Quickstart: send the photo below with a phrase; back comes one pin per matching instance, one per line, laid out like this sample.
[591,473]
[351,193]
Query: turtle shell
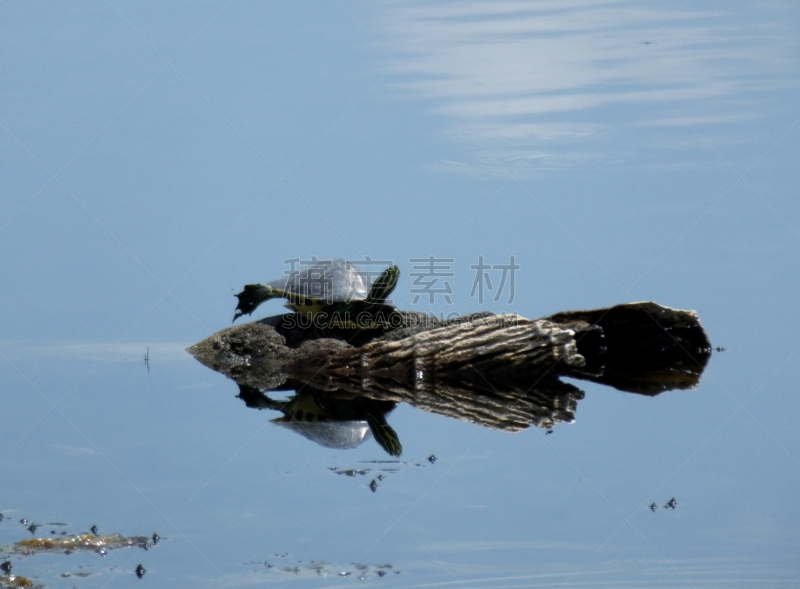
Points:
[331,281]
[338,435]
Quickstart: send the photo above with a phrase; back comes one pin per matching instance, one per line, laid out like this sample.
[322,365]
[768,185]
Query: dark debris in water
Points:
[324,569]
[79,542]
[140,571]
[671,504]
[64,544]
[14,581]
[79,574]
[351,472]
[396,465]
[384,472]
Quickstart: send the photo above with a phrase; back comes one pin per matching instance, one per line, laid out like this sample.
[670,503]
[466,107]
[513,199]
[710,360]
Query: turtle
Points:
[337,288]
[335,419]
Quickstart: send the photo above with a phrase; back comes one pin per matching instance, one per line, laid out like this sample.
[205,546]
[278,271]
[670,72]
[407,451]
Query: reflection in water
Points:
[511,76]
[278,564]
[512,409]
[500,372]
[331,419]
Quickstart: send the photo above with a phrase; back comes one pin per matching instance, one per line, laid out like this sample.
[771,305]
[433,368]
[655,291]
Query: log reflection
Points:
[500,372]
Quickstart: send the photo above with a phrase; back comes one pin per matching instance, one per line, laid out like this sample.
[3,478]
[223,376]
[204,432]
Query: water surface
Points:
[155,160]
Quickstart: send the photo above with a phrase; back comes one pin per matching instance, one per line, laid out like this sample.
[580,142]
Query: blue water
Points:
[154,159]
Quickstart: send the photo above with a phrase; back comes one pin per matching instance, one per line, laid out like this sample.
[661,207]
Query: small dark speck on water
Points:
[432,458]
[93,530]
[140,571]
[373,485]
[671,504]
[6,567]
[156,538]
[24,521]
[653,507]
[719,349]
[32,528]
[548,432]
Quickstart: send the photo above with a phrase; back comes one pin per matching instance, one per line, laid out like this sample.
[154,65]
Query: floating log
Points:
[497,371]
[638,347]
[494,347]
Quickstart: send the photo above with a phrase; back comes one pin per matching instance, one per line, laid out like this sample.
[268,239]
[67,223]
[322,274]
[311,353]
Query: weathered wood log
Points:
[638,347]
[641,348]
[493,371]
[492,347]
[496,371]
[256,354]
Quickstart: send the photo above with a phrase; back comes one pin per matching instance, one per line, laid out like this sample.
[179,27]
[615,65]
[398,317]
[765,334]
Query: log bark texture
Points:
[638,347]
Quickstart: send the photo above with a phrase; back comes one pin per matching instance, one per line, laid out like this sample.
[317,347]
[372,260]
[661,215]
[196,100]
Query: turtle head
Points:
[384,285]
[252,296]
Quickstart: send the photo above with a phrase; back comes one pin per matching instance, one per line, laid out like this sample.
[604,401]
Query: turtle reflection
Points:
[333,420]
[344,419]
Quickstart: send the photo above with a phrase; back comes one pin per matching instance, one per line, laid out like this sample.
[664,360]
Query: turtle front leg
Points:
[251,297]
[384,434]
